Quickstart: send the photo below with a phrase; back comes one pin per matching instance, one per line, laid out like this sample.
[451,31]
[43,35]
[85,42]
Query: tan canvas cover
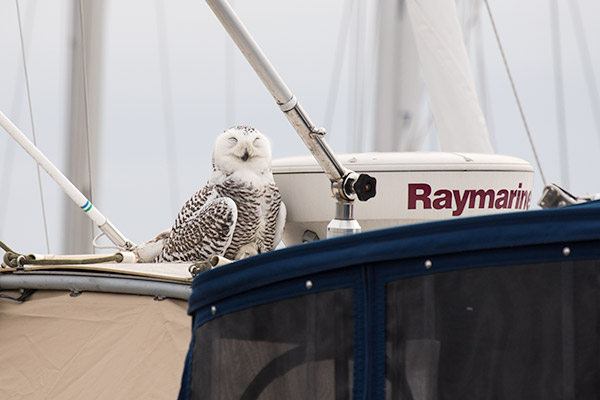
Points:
[178,272]
[93,346]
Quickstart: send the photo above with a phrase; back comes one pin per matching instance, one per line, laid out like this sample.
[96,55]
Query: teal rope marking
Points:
[87,206]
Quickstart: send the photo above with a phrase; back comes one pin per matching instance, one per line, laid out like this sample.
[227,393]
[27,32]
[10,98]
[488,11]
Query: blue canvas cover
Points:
[503,306]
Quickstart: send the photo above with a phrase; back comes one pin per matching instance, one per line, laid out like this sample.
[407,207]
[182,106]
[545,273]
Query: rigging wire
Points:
[376,45]
[350,84]
[9,150]
[588,70]
[229,83]
[5,178]
[559,97]
[165,74]
[482,77]
[472,32]
[27,86]
[85,104]
[514,90]
[229,78]
[337,66]
[356,108]
[370,77]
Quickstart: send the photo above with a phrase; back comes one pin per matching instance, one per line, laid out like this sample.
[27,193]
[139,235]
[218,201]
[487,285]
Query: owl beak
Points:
[245,156]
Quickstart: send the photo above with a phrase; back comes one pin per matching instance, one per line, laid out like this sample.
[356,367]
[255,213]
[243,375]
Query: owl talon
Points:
[247,250]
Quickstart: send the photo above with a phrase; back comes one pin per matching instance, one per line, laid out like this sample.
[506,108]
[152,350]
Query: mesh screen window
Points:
[297,348]
[519,332]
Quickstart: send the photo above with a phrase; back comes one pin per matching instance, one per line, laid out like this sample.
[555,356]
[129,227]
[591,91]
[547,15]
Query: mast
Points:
[400,93]
[447,74]
[77,230]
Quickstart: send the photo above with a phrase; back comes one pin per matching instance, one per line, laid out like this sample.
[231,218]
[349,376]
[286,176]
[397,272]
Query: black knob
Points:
[364,187]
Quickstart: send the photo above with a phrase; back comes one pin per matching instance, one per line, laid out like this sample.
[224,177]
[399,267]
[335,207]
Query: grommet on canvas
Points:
[428,264]
[213,310]
[309,285]
[566,251]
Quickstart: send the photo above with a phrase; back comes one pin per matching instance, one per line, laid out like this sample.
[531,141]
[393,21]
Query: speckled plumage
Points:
[239,212]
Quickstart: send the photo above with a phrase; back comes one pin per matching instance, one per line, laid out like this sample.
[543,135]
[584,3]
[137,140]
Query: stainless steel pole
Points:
[346,185]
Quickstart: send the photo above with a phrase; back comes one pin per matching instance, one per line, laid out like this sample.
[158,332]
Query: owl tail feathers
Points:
[148,251]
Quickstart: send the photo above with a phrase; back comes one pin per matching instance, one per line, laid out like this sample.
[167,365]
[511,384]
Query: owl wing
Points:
[274,218]
[279,224]
[200,233]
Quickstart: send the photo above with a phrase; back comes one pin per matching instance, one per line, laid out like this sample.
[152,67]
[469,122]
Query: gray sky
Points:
[210,92]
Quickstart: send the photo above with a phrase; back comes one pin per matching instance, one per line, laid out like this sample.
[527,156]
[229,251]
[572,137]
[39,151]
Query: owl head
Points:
[242,148]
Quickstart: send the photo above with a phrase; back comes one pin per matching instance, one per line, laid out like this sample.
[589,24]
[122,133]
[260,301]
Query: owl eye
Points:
[256,142]
[232,140]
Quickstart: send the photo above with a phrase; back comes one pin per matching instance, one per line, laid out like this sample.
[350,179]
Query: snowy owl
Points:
[239,212]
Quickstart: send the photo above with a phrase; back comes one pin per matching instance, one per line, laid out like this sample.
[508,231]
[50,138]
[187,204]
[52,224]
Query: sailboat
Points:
[482,307]
[490,306]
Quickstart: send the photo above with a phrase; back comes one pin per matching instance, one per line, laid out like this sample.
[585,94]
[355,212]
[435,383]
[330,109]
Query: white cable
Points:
[97,246]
